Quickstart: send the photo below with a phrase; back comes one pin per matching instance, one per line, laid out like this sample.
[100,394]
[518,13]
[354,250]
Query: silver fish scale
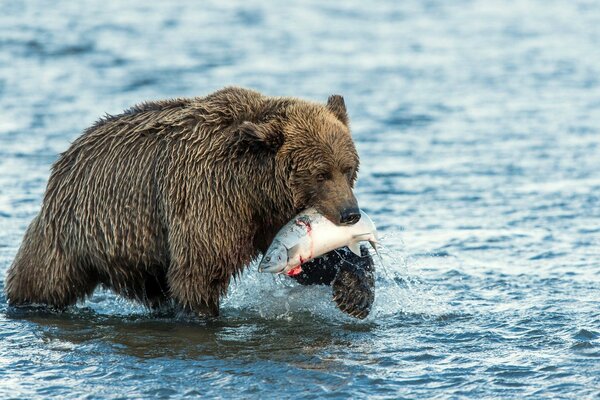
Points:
[294,230]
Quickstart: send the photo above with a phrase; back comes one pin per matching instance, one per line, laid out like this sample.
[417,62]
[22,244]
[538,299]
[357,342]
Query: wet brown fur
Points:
[171,199]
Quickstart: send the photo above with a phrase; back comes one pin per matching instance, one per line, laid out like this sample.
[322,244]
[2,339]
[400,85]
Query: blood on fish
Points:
[306,223]
[302,222]
[295,271]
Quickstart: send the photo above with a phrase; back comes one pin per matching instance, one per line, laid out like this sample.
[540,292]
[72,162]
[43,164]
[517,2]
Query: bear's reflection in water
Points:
[147,336]
[274,334]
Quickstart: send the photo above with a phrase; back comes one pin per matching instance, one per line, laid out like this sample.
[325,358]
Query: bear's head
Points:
[314,155]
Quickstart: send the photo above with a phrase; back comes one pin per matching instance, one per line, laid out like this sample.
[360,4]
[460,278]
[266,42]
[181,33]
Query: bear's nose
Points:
[350,216]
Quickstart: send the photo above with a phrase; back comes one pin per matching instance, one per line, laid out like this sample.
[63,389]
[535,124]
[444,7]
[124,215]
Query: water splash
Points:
[275,297]
[399,290]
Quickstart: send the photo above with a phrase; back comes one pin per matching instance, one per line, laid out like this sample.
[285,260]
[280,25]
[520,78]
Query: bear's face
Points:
[315,157]
[322,161]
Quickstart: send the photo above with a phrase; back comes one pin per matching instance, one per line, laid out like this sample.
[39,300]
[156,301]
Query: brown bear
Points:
[170,199]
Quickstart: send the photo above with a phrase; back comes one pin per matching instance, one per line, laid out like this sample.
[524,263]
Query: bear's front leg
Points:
[354,284]
[197,276]
[352,278]
[192,291]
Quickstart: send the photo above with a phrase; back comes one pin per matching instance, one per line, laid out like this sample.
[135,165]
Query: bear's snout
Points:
[350,216]
[337,202]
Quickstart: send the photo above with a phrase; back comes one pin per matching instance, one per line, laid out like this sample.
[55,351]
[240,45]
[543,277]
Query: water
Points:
[478,127]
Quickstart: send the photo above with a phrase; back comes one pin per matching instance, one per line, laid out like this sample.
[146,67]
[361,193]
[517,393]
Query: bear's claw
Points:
[351,294]
[352,278]
[354,285]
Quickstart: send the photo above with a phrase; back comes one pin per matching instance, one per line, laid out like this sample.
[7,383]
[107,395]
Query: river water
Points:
[477,123]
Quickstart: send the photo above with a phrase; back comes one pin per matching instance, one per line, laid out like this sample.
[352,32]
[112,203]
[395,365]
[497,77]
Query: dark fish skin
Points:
[352,279]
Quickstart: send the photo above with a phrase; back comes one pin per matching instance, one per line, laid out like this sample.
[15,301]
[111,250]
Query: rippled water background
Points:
[478,127]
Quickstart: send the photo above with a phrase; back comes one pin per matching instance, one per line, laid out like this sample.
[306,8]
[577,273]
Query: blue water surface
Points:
[478,127]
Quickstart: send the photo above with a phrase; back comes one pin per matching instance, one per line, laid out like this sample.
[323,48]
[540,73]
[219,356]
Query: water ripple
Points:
[477,129]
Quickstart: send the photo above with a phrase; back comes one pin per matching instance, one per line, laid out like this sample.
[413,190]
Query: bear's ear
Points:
[260,136]
[336,104]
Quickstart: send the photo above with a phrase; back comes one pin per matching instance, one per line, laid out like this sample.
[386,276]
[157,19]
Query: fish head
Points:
[275,260]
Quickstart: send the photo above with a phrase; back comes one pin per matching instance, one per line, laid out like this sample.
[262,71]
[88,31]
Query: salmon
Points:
[309,235]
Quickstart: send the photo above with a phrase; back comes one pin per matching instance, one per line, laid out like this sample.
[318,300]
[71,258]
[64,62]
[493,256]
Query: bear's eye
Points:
[322,177]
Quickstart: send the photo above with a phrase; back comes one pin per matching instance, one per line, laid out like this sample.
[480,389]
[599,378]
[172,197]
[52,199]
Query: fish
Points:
[309,235]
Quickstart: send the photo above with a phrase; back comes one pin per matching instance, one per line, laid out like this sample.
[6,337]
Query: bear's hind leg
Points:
[42,273]
[52,281]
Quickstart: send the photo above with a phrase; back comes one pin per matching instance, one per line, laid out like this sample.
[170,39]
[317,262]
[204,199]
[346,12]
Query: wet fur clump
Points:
[351,277]
[170,199]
